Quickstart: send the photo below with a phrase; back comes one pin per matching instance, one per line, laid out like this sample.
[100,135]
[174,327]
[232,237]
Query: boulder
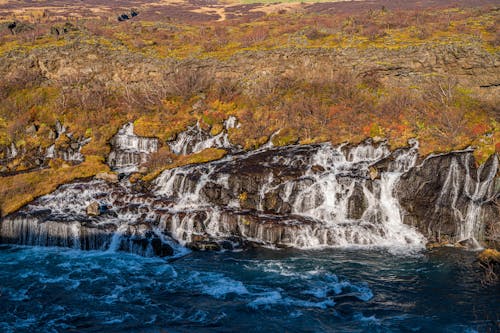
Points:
[108,177]
[469,243]
[161,249]
[93,209]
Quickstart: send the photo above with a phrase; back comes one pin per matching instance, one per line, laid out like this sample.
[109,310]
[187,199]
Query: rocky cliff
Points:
[302,196]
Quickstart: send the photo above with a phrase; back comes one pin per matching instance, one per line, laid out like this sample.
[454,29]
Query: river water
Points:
[259,290]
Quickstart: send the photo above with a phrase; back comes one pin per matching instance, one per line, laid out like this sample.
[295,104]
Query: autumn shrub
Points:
[313,34]
[159,159]
[397,103]
[226,89]
[495,42]
[185,81]
[373,31]
[345,89]
[20,77]
[254,36]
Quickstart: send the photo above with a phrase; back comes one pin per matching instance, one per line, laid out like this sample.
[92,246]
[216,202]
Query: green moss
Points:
[285,137]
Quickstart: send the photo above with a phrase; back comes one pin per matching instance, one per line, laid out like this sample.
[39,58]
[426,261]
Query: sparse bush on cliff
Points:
[159,159]
[185,81]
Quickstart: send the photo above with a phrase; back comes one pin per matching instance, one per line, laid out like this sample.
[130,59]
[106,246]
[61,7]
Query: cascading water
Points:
[302,196]
[130,150]
[465,191]
[320,196]
[71,153]
[60,219]
[195,139]
[12,151]
[478,191]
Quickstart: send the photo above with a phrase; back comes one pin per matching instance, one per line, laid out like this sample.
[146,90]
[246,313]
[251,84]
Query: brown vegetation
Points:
[18,190]
[191,81]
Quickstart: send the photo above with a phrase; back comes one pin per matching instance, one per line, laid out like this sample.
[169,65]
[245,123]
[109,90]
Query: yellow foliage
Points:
[243,196]
[489,256]
[18,190]
[286,136]
[204,156]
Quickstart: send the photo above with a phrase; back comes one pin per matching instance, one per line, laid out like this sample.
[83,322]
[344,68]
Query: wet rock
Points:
[106,176]
[161,249]
[130,150]
[204,246]
[469,243]
[437,194]
[317,168]
[93,209]
[357,203]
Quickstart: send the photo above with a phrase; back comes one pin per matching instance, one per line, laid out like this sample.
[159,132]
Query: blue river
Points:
[259,290]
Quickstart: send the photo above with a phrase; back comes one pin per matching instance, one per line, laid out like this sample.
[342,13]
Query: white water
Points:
[71,153]
[195,139]
[59,219]
[464,192]
[324,197]
[299,196]
[12,152]
[130,150]
[477,192]
[68,154]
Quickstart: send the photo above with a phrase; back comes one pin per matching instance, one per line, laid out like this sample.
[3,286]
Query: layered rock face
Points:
[447,198]
[303,196]
[130,150]
[65,146]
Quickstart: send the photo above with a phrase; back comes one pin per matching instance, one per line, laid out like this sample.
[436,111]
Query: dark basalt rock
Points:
[435,197]
[161,249]
[234,212]
[357,203]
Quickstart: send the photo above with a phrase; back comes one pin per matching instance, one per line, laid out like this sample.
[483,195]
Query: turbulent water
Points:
[64,290]
[358,214]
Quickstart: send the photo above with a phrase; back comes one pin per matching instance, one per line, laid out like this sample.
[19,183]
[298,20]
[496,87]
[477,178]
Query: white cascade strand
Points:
[477,191]
[130,150]
[195,139]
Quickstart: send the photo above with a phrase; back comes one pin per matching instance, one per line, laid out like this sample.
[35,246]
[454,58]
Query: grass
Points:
[281,1]
[204,156]
[307,105]
[18,190]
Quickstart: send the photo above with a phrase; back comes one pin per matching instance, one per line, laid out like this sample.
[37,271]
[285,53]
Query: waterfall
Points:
[12,152]
[60,219]
[71,153]
[129,150]
[303,196]
[195,139]
[366,152]
[332,195]
[477,191]
[464,192]
[331,184]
